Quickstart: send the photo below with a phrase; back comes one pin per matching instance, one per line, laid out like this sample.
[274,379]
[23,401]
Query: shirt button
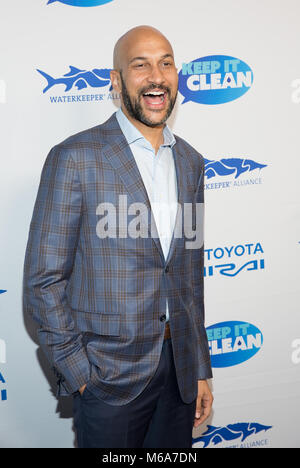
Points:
[162,318]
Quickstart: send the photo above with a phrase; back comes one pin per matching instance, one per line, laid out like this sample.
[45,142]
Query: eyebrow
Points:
[145,58]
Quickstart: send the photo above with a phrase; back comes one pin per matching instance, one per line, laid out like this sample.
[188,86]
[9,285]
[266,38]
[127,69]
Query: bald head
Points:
[133,37]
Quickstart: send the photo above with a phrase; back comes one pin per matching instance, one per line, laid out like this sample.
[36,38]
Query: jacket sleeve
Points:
[49,258]
[204,368]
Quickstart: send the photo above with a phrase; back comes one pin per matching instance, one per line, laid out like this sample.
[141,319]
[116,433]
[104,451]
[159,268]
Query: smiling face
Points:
[145,76]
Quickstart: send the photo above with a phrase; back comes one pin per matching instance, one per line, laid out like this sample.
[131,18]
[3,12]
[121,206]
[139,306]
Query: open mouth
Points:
[155,99]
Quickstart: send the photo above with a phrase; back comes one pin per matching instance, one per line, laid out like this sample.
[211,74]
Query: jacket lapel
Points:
[121,158]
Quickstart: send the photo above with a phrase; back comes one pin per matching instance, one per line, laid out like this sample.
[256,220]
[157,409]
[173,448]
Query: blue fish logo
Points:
[214,79]
[81,3]
[81,79]
[230,166]
[217,435]
[2,291]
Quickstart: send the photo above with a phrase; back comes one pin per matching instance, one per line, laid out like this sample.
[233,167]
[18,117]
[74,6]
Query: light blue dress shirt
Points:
[159,177]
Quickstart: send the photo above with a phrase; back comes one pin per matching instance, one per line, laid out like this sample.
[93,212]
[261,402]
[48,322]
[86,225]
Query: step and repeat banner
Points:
[239,106]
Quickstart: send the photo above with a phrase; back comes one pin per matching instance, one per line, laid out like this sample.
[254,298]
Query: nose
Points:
[156,75]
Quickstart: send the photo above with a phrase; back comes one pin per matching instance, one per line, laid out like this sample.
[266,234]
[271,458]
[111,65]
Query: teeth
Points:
[155,93]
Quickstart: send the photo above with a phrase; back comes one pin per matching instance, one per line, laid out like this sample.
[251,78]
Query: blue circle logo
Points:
[82,3]
[214,79]
[232,343]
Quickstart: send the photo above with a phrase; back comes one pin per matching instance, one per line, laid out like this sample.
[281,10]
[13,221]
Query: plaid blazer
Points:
[100,302]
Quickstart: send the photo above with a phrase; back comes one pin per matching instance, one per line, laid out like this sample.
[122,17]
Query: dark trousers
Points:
[157,418]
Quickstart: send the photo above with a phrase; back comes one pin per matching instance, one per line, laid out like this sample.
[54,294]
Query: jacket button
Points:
[167,269]
[162,318]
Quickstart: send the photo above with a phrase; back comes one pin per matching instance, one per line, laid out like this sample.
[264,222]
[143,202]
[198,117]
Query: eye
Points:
[140,65]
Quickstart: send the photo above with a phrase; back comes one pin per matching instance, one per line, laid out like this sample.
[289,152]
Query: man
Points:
[122,315]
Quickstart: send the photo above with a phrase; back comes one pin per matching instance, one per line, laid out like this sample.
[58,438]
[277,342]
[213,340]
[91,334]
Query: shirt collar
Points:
[132,134]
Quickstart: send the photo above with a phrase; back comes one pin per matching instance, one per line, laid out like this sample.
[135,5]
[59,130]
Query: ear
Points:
[116,80]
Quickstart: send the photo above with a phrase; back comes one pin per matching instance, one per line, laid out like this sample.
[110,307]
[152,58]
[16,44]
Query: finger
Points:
[198,415]
[203,414]
[199,408]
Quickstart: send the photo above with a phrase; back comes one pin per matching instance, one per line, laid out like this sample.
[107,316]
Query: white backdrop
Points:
[252,234]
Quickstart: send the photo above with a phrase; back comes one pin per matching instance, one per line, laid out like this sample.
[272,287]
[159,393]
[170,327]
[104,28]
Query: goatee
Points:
[135,110]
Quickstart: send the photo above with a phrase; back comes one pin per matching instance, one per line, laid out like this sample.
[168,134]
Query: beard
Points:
[134,107]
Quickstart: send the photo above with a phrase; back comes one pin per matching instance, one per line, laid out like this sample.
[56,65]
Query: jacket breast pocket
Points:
[98,323]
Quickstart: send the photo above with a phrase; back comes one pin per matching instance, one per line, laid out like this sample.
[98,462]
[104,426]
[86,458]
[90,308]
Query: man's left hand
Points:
[204,403]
